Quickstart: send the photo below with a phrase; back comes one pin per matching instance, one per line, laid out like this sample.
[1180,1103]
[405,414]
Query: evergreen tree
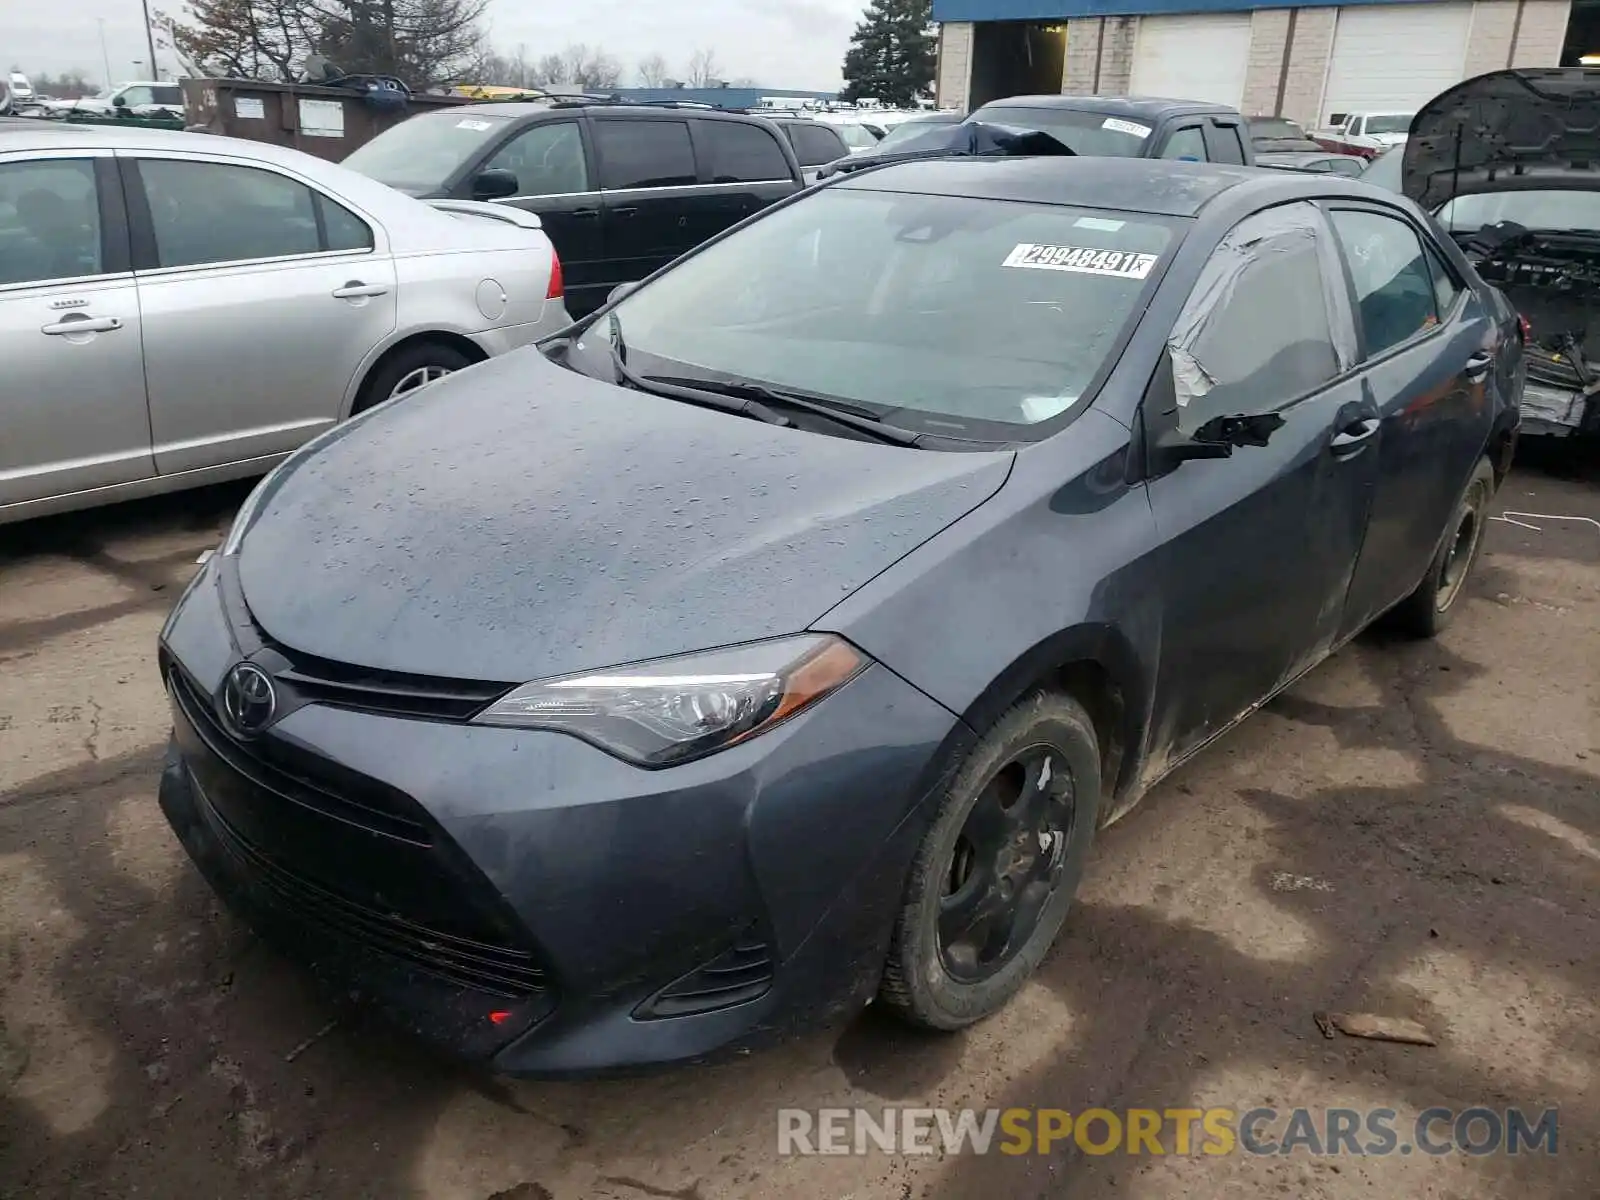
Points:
[892,53]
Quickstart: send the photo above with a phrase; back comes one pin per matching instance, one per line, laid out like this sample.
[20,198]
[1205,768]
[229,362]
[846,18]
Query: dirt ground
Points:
[1415,830]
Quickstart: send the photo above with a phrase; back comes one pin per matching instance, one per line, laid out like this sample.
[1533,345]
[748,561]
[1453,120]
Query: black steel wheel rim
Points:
[1007,863]
[1463,548]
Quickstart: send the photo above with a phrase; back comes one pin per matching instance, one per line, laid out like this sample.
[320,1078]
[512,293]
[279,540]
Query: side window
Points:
[213,212]
[342,229]
[1259,327]
[49,221]
[816,144]
[1226,145]
[1394,292]
[135,96]
[546,159]
[643,154]
[1445,285]
[740,153]
[167,95]
[1187,142]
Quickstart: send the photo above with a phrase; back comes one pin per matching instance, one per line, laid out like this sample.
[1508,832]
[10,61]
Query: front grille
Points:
[740,974]
[301,779]
[392,693]
[489,968]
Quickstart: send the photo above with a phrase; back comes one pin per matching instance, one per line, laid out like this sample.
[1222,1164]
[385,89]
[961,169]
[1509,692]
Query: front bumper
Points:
[525,900]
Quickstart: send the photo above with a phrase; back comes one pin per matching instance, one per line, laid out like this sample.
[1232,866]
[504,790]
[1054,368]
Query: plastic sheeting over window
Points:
[1267,322]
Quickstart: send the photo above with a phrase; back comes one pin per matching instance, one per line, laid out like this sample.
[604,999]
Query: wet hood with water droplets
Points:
[519,521]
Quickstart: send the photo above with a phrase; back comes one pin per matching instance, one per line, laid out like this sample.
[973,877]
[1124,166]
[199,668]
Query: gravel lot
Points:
[1414,830]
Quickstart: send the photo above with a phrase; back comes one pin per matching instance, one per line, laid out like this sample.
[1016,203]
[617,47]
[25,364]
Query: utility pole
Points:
[150,41]
[105,58]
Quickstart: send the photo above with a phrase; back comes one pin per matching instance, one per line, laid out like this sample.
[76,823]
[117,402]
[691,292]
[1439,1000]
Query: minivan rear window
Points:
[421,153]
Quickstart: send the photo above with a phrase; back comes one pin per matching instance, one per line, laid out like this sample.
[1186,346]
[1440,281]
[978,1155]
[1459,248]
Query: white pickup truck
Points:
[1368,134]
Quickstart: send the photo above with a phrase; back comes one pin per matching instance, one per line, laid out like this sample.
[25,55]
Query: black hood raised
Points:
[1505,129]
[519,521]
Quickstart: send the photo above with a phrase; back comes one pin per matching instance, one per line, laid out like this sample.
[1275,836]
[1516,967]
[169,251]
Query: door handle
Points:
[627,210]
[1478,366]
[583,214]
[1354,434]
[78,323]
[356,289]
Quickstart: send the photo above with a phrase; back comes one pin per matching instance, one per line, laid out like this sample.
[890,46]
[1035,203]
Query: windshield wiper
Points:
[748,407]
[839,413]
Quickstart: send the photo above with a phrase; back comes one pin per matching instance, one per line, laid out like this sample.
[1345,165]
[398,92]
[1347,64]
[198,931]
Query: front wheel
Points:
[1427,611]
[995,874]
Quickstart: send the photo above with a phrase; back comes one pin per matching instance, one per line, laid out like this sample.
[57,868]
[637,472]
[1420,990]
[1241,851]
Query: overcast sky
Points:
[779,43]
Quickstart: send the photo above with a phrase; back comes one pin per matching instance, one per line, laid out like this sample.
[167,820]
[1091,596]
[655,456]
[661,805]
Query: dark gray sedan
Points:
[781,636]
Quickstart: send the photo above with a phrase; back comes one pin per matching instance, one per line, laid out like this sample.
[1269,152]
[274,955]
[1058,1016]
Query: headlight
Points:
[676,709]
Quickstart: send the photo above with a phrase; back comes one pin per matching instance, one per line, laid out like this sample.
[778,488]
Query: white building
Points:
[1304,61]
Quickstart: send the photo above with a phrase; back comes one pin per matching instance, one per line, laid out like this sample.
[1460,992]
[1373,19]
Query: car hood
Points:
[518,521]
[1471,137]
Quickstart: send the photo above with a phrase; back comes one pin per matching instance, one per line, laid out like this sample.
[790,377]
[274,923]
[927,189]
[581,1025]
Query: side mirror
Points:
[1175,447]
[494,184]
[119,102]
[1217,438]
[621,290]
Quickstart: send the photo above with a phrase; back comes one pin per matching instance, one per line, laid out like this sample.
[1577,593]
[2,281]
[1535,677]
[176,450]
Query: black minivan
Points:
[622,189]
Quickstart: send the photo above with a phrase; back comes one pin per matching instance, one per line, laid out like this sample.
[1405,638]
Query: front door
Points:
[1259,546]
[648,175]
[261,298]
[555,178]
[72,398]
[1430,348]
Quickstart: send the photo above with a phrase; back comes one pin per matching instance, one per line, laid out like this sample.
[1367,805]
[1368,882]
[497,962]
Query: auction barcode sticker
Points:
[1121,126]
[1085,260]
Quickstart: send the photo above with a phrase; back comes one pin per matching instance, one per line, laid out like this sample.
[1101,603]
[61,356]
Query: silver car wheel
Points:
[420,378]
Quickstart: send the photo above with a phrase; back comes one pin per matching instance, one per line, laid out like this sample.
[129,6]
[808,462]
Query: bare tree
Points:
[653,71]
[704,70]
[421,41]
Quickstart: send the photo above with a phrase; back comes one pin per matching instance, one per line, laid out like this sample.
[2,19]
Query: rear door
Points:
[554,166]
[744,168]
[72,398]
[650,189]
[261,296]
[1429,345]
[1258,547]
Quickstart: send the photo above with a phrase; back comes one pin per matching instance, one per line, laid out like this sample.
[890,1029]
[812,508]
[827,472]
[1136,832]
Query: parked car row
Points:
[778,637]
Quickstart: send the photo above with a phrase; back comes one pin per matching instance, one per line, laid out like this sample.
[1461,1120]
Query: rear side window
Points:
[1445,286]
[1259,329]
[49,221]
[1394,292]
[738,153]
[644,154]
[168,95]
[1226,145]
[816,144]
[1186,143]
[204,212]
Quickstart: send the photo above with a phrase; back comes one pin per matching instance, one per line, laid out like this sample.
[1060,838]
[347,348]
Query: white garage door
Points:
[1195,57]
[1395,57]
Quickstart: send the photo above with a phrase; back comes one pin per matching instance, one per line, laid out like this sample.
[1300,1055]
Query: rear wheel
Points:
[1429,609]
[414,367]
[994,876]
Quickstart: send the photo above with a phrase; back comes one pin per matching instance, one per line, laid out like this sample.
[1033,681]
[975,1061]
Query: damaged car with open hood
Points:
[1509,163]
[777,639]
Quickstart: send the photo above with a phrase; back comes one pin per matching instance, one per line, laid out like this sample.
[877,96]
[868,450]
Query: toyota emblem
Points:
[249,701]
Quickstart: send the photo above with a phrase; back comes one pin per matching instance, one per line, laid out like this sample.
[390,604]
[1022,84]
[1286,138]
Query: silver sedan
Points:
[179,309]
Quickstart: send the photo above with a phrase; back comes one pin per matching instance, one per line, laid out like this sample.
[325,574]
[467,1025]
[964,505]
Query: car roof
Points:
[35,134]
[1149,107]
[543,108]
[1160,187]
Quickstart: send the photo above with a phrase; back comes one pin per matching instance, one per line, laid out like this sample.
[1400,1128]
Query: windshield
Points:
[420,153]
[1384,171]
[857,137]
[1389,123]
[1090,133]
[1544,210]
[952,313]
[907,130]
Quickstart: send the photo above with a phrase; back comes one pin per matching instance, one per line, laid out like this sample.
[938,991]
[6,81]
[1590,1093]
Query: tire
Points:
[939,979]
[1428,610]
[408,363]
